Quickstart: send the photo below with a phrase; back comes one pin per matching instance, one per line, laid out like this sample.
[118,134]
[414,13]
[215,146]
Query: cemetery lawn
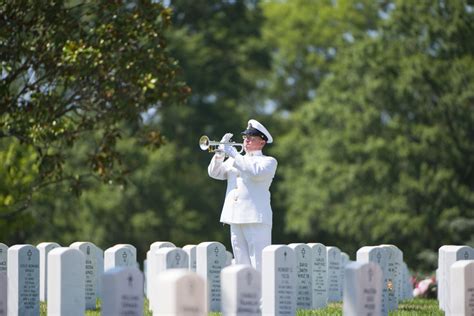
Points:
[411,307]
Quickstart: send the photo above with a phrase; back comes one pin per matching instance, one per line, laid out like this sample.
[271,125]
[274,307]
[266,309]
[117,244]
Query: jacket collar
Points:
[255,153]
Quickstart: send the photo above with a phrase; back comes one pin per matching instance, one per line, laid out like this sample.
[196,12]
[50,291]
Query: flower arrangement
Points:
[426,287]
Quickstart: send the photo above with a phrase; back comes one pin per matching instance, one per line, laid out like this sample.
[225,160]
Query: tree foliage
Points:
[388,149]
[78,70]
[306,38]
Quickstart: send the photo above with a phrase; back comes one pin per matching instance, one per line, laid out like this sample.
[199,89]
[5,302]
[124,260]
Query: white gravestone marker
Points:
[89,250]
[334,274]
[100,270]
[182,293]
[191,251]
[123,292]
[320,275]
[3,279]
[304,275]
[278,280]
[3,257]
[407,287]
[241,291]
[362,289]
[119,256]
[345,260]
[377,255]
[230,258]
[393,267]
[23,280]
[44,248]
[211,258]
[151,265]
[462,288]
[451,255]
[66,282]
[3,293]
[167,258]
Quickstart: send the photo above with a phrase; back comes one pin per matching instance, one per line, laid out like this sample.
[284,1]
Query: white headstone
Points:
[89,250]
[451,255]
[230,258]
[407,286]
[171,258]
[182,292]
[121,255]
[345,260]
[3,293]
[66,282]
[3,257]
[123,291]
[151,265]
[3,279]
[191,251]
[100,270]
[44,248]
[377,255]
[210,260]
[362,289]
[241,290]
[334,274]
[462,288]
[166,259]
[23,280]
[278,280]
[394,261]
[304,276]
[320,275]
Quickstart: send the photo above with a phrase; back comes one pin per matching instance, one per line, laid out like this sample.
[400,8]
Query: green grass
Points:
[416,307]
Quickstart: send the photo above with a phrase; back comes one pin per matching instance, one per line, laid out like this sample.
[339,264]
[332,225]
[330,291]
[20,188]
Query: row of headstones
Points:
[455,275]
[316,273]
[26,271]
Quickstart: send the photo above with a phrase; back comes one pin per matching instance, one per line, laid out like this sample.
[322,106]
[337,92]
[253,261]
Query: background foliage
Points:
[371,104]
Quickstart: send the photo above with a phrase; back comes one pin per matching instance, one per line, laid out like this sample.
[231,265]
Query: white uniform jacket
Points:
[248,181]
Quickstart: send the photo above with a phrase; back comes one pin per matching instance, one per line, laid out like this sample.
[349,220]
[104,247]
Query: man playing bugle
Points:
[247,206]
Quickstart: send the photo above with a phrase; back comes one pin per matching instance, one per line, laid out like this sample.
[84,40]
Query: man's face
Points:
[253,143]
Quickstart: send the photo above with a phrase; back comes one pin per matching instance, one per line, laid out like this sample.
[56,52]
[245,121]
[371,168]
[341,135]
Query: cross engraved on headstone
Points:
[303,252]
[124,256]
[371,274]
[249,278]
[285,255]
[216,251]
[319,251]
[130,280]
[379,257]
[178,258]
[88,251]
[334,255]
[466,255]
[29,254]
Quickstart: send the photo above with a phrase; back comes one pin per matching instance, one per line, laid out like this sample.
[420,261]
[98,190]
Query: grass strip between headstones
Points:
[405,308]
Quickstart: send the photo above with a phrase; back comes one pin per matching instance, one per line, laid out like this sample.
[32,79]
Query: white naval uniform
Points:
[247,203]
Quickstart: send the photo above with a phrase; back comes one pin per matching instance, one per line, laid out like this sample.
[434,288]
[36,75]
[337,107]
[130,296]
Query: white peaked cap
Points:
[254,124]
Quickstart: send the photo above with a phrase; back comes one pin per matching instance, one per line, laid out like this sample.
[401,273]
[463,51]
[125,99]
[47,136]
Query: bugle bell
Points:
[212,146]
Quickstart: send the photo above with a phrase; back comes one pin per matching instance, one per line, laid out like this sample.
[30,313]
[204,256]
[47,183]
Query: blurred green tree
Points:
[385,153]
[306,38]
[74,70]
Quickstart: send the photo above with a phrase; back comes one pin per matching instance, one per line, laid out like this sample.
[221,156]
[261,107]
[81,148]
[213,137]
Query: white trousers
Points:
[248,241]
